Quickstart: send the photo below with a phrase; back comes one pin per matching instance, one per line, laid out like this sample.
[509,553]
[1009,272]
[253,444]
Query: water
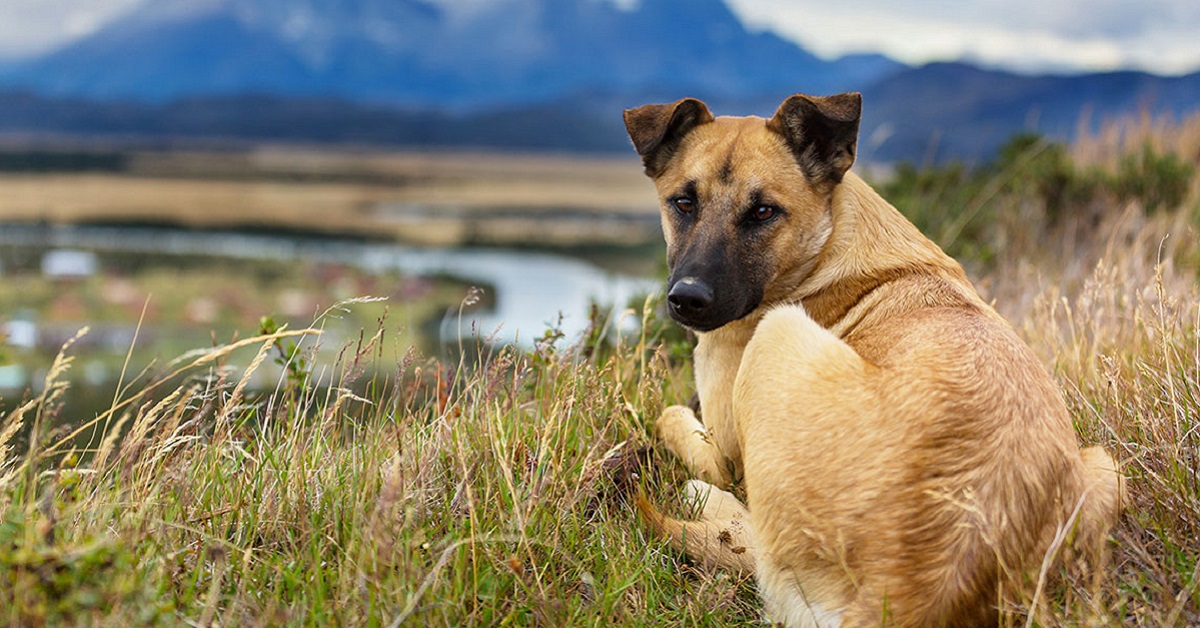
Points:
[531,289]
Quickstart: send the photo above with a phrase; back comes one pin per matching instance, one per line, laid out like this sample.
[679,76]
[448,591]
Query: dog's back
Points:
[937,460]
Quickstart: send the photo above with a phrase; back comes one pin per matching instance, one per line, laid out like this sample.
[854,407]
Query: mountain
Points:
[413,53]
[954,110]
[233,120]
[550,74]
[166,49]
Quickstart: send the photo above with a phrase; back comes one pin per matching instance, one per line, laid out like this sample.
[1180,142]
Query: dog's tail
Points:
[1105,497]
[722,537]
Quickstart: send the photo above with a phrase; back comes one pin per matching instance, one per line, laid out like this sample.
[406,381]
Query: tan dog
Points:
[906,458]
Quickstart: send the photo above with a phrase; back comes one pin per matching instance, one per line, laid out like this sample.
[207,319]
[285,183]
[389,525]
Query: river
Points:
[531,289]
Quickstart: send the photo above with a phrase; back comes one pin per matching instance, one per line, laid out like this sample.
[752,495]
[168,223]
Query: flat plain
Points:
[420,198]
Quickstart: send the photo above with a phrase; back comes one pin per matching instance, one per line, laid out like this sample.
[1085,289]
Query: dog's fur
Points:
[906,459]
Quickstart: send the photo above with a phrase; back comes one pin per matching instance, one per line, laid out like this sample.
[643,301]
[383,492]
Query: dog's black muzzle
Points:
[690,300]
[695,304]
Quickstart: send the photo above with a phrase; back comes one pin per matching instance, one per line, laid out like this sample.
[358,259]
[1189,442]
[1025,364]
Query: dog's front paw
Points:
[695,496]
[678,423]
[681,433]
[711,502]
[687,438]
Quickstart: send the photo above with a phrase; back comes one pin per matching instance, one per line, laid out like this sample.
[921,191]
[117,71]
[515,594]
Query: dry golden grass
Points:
[440,198]
[1116,138]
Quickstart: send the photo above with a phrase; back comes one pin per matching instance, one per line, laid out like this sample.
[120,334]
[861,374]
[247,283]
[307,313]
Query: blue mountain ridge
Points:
[955,110]
[517,73]
[410,53]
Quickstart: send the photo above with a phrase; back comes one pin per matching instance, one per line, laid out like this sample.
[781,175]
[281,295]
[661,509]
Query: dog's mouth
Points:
[693,303]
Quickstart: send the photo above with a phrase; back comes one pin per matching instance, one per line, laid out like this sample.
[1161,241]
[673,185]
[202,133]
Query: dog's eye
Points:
[684,205]
[762,213]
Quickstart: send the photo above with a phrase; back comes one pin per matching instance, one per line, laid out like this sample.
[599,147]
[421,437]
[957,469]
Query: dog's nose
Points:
[690,297]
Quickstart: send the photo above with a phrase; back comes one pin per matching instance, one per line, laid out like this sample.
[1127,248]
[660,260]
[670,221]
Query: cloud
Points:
[32,26]
[1034,35]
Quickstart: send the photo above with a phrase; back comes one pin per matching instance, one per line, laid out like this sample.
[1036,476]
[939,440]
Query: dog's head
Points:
[745,201]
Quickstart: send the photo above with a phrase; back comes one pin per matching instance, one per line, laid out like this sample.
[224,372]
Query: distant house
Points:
[68,264]
[20,333]
[13,376]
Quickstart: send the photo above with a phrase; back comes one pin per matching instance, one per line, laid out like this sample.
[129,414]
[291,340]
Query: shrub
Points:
[1031,188]
[1157,180]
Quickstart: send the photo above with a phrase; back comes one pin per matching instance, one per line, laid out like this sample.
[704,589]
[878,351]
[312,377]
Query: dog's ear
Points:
[656,130]
[821,131]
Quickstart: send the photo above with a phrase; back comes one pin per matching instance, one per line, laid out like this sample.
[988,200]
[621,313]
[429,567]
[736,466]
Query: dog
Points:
[906,458]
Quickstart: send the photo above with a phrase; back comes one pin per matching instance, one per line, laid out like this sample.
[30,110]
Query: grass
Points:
[420,198]
[442,495]
[489,488]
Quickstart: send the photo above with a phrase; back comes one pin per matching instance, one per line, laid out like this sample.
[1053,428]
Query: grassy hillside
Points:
[491,488]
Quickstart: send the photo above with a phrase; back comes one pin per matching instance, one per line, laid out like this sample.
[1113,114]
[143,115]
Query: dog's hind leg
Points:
[687,438]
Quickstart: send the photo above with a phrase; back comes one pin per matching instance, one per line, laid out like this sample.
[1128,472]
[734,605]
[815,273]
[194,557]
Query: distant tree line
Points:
[63,161]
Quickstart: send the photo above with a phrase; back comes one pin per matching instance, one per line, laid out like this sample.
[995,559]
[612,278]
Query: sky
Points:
[1160,36]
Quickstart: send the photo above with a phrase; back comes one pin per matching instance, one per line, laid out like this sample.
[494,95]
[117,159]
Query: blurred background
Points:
[176,174]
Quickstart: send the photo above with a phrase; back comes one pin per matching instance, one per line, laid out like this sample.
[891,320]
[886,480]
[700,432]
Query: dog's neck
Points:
[870,244]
